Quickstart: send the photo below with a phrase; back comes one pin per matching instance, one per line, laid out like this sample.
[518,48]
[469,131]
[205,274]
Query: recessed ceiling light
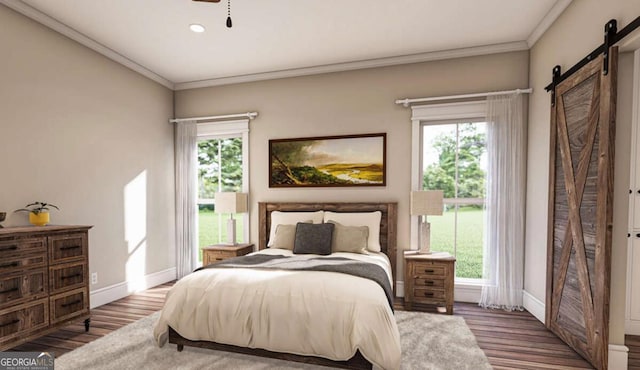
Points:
[198,28]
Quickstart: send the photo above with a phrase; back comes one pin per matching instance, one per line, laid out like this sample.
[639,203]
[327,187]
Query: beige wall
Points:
[76,129]
[577,32]
[351,102]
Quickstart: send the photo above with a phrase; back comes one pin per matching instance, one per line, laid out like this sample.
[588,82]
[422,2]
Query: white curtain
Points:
[506,176]
[186,197]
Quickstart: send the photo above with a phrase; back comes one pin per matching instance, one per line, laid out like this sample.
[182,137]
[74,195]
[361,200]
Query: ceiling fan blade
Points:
[208,1]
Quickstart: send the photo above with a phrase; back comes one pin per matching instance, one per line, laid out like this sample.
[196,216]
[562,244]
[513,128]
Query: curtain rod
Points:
[408,101]
[250,115]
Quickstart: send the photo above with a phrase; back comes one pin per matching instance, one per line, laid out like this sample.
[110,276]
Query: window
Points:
[454,159]
[449,154]
[222,166]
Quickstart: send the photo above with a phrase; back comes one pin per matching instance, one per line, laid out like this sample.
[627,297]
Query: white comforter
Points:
[317,313]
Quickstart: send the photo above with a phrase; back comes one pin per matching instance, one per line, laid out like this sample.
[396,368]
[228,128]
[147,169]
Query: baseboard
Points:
[112,293]
[618,357]
[534,306]
[632,327]
[470,293]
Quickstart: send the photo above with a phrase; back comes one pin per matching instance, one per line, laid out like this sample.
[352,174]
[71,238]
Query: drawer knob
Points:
[428,294]
[71,303]
[429,271]
[9,323]
[428,282]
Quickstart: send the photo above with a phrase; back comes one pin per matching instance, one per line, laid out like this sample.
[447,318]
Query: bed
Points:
[315,317]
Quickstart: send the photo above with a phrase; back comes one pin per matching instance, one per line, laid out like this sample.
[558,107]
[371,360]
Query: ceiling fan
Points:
[229,24]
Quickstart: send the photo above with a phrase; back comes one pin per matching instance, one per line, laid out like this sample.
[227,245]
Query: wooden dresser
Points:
[44,280]
[429,280]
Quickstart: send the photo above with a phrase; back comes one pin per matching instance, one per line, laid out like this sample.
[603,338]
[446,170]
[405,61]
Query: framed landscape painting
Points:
[351,160]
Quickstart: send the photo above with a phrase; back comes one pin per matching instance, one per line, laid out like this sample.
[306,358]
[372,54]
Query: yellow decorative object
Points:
[39,219]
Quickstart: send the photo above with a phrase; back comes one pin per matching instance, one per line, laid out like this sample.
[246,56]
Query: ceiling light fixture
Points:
[197,28]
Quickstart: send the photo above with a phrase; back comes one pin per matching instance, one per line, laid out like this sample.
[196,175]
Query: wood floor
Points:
[510,340]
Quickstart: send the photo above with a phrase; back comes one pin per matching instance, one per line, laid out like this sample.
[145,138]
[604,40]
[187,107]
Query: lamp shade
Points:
[229,202]
[427,202]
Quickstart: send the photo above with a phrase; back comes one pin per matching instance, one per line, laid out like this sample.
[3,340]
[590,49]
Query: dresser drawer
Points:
[11,264]
[23,286]
[428,295]
[68,305]
[67,277]
[422,269]
[9,246]
[67,247]
[18,322]
[428,282]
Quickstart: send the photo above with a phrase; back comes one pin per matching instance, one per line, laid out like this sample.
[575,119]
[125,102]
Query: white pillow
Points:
[291,218]
[369,219]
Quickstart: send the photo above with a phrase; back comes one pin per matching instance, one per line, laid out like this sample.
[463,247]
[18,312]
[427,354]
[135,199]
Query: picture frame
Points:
[328,161]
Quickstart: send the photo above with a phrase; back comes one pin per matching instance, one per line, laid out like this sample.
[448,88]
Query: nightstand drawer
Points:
[428,295]
[428,282]
[220,252]
[428,269]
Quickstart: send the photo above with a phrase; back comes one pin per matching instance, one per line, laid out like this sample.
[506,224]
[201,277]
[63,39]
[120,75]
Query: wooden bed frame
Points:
[388,239]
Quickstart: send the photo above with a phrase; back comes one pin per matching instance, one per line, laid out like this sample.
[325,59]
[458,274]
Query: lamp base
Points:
[231,231]
[425,238]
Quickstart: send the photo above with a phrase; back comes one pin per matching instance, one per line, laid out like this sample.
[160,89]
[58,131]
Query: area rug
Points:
[428,341]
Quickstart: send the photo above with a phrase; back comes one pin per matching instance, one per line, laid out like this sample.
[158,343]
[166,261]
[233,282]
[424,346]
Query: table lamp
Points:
[426,203]
[230,202]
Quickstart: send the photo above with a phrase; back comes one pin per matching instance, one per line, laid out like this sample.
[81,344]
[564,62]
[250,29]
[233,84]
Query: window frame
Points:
[227,130]
[467,290]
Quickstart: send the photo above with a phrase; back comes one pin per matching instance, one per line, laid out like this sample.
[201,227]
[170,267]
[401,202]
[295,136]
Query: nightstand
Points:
[219,252]
[428,279]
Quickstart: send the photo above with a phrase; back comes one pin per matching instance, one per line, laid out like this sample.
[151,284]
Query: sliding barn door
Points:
[581,208]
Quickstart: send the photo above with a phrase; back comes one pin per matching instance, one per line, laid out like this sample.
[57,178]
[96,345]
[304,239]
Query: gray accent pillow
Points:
[352,239]
[313,238]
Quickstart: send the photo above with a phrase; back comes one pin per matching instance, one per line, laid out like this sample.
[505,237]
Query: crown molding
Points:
[547,21]
[362,64]
[69,32]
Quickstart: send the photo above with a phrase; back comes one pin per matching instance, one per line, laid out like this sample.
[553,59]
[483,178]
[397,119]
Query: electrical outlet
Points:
[94,278]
